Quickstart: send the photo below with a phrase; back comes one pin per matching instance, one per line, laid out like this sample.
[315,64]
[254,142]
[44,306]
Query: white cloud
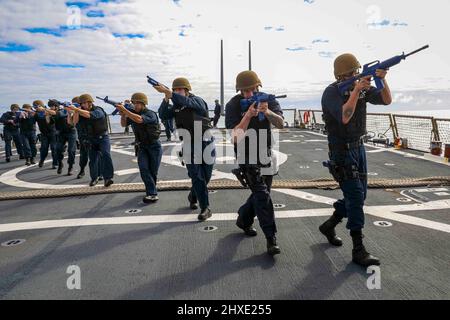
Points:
[117,66]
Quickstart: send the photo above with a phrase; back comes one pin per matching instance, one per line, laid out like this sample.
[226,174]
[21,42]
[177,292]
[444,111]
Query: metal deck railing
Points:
[419,131]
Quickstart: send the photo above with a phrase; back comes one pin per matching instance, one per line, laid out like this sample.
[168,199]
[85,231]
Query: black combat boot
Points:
[327,229]
[93,182]
[250,231]
[8,159]
[359,253]
[21,157]
[81,174]
[108,182]
[27,161]
[272,247]
[205,214]
[41,164]
[32,160]
[69,171]
[60,167]
[192,203]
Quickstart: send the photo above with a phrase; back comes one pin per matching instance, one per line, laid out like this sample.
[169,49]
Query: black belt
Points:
[346,146]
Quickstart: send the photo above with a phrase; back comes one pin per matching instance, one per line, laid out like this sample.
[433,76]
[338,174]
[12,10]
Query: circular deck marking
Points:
[279,206]
[372,173]
[403,200]
[318,149]
[12,243]
[383,224]
[133,211]
[304,167]
[208,229]
[10,177]
[315,161]
[389,164]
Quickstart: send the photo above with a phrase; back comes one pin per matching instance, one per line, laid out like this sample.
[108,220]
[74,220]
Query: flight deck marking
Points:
[208,229]
[133,211]
[390,213]
[10,177]
[13,243]
[383,224]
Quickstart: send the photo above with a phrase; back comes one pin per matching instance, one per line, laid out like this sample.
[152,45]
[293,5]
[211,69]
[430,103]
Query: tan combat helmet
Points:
[38,103]
[26,106]
[85,98]
[247,80]
[181,83]
[14,106]
[139,97]
[344,64]
[76,100]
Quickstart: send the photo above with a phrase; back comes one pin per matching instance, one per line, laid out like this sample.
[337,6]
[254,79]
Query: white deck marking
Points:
[389,215]
[431,190]
[174,218]
[385,212]
[10,178]
[376,151]
[126,171]
[315,140]
[307,196]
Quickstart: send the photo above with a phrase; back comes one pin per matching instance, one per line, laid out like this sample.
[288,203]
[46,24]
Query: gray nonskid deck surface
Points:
[169,259]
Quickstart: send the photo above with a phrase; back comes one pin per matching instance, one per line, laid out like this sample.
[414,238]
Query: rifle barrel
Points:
[415,51]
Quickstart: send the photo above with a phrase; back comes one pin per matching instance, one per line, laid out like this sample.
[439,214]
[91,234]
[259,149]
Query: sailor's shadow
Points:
[91,248]
[170,286]
[320,282]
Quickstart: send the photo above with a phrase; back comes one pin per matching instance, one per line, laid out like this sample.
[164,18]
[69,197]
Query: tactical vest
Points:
[61,124]
[9,126]
[97,127]
[44,127]
[82,127]
[185,117]
[27,124]
[256,125]
[352,131]
[146,133]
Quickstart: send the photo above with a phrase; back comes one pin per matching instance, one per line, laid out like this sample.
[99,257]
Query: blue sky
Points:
[59,49]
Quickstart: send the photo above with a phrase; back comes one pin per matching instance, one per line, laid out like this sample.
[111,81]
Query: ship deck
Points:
[128,250]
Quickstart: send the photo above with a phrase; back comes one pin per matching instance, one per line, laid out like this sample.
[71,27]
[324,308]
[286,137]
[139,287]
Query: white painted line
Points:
[376,151]
[10,178]
[431,205]
[174,218]
[389,215]
[384,212]
[403,193]
[126,171]
[431,190]
[306,196]
[441,194]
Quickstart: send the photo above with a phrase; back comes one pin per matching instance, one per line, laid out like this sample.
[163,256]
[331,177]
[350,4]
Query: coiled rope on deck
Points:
[221,184]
